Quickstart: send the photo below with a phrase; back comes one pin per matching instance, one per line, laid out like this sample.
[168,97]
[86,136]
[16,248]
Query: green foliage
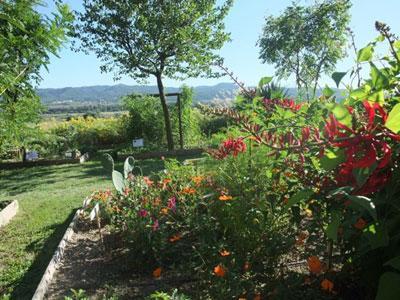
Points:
[156,38]
[306,41]
[145,119]
[165,296]
[26,41]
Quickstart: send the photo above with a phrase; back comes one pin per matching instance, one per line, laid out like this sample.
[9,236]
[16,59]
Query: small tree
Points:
[306,41]
[26,40]
[160,38]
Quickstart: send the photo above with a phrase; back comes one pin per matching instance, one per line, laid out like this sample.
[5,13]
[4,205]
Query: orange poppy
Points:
[148,181]
[314,264]
[225,198]
[220,271]
[327,285]
[360,224]
[224,253]
[188,190]
[164,211]
[198,180]
[175,238]
[157,272]
[165,182]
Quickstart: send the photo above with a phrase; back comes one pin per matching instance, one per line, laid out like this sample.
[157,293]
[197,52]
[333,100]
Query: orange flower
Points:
[301,238]
[148,181]
[224,253]
[327,285]
[164,211]
[198,180]
[314,264]
[157,202]
[157,272]
[220,271]
[246,266]
[225,197]
[175,238]
[188,191]
[165,182]
[360,224]
[257,296]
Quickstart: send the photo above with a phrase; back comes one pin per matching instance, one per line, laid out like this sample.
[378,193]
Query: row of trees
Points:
[157,38]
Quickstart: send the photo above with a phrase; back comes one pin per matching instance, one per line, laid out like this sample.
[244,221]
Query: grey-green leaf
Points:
[338,76]
[118,181]
[128,166]
[333,226]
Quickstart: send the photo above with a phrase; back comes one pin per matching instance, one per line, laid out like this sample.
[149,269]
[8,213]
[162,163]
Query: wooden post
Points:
[180,121]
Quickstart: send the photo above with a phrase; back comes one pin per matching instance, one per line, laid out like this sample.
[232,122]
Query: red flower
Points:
[230,146]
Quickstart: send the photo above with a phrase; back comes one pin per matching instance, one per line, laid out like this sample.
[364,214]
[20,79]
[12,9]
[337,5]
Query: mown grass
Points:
[48,198]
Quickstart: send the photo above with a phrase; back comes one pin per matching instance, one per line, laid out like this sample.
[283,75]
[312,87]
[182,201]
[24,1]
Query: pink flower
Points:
[143,213]
[156,225]
[172,203]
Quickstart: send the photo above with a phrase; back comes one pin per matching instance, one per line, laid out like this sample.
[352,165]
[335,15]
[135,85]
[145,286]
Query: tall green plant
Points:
[306,41]
[158,38]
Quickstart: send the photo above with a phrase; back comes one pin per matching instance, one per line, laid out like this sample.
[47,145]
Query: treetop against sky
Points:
[245,22]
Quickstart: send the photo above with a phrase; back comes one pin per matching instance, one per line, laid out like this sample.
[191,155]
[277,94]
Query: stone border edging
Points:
[8,212]
[43,286]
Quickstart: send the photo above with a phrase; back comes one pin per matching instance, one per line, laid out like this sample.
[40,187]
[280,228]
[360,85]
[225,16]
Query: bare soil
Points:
[105,270]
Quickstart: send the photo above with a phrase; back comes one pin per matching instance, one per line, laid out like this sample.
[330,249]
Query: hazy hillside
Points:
[111,94]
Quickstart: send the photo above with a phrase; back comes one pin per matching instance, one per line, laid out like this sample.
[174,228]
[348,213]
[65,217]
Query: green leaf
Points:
[299,196]
[338,76]
[396,45]
[359,94]
[341,113]
[365,54]
[362,202]
[118,181]
[394,263]
[328,92]
[389,286]
[393,120]
[362,174]
[332,159]
[264,81]
[333,226]
[377,236]
[379,80]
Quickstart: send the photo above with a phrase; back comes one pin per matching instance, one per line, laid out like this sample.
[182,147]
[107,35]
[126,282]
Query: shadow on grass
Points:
[26,286]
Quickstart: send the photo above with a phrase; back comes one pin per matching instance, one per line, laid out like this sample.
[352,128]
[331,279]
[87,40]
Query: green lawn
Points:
[48,198]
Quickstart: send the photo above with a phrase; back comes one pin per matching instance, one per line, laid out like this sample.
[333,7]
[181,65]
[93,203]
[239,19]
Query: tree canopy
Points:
[160,38]
[306,41]
[27,38]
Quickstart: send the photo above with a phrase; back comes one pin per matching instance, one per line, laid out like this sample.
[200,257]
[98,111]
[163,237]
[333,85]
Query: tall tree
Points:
[306,41]
[27,38]
[160,38]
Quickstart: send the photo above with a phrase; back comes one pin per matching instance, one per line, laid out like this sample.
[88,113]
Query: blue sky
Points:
[244,22]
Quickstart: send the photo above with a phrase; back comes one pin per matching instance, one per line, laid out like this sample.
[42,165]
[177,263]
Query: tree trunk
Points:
[168,129]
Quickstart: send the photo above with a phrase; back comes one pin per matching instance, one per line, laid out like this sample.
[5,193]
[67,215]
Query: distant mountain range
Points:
[113,93]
